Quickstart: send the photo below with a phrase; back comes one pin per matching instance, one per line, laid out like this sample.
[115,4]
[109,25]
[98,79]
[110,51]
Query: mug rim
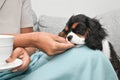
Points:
[6,45]
[6,36]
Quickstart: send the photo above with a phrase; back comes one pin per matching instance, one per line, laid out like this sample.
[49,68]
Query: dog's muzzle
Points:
[73,38]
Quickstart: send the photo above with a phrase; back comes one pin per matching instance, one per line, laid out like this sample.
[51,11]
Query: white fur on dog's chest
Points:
[106,48]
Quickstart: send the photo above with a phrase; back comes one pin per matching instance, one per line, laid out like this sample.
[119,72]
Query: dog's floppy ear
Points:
[67,27]
[70,21]
[96,34]
[64,32]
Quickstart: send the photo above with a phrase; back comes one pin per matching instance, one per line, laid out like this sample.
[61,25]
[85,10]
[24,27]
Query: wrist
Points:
[30,50]
[23,40]
[34,37]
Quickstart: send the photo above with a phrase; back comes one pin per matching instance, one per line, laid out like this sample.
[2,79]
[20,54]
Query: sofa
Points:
[109,20]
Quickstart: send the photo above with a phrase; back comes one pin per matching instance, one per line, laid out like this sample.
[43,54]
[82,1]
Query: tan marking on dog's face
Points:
[85,35]
[74,25]
[62,34]
[66,28]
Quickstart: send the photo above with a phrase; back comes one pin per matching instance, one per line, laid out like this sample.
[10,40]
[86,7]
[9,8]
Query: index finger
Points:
[64,46]
[59,39]
[14,55]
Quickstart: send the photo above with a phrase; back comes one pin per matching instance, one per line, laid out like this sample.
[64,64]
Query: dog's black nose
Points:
[69,37]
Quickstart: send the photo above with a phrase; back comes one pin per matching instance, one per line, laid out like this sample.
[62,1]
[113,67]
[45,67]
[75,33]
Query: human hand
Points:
[22,54]
[50,43]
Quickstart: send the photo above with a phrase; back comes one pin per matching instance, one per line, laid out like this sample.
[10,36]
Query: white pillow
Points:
[52,24]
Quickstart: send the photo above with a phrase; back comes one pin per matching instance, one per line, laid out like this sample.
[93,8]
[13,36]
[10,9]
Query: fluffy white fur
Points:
[106,48]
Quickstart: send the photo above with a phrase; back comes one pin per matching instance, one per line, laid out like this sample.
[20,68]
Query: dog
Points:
[83,30]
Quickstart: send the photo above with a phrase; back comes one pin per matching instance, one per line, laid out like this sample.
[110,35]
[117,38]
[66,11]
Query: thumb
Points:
[15,54]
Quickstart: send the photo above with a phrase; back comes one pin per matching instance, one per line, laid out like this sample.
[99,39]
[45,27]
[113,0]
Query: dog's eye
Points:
[80,29]
[66,32]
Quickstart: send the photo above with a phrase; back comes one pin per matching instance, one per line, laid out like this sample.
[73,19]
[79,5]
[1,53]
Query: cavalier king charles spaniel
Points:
[83,30]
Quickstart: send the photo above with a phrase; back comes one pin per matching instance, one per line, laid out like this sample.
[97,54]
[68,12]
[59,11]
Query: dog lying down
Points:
[83,30]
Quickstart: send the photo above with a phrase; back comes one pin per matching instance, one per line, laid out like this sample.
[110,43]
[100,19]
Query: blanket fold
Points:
[74,64]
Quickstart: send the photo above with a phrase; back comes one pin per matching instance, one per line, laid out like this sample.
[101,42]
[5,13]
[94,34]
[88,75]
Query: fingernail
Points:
[15,70]
[8,60]
[21,56]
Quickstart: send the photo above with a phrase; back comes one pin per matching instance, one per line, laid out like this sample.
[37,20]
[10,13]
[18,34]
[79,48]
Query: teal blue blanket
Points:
[74,64]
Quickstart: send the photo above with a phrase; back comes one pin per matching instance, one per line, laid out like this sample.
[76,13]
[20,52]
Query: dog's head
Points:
[81,29]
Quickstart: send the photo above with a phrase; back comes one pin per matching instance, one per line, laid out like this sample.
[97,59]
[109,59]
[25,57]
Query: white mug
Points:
[6,47]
